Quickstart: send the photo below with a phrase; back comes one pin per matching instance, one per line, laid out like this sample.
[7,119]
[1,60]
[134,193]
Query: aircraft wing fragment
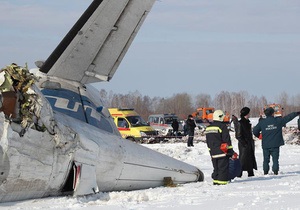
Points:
[104,34]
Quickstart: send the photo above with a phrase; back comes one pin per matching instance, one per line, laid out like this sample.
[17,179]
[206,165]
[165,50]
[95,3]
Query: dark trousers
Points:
[221,169]
[274,153]
[250,173]
[190,139]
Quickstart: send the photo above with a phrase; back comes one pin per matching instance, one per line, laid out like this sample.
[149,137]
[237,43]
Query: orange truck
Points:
[206,114]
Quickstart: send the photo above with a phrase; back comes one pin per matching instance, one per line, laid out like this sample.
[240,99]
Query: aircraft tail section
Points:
[97,43]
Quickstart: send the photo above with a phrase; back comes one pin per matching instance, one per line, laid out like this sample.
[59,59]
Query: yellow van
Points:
[131,125]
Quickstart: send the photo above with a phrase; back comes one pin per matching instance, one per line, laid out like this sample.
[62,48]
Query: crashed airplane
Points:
[57,138]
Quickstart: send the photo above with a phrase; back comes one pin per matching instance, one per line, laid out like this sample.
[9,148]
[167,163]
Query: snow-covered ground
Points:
[258,192]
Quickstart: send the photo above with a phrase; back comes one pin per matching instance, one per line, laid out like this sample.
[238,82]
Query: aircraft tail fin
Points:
[97,43]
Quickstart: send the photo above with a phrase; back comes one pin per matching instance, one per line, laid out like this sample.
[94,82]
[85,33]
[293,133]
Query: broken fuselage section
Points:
[60,140]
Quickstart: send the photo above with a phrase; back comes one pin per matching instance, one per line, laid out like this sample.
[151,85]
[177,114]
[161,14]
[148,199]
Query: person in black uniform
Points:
[175,126]
[246,143]
[190,126]
[220,148]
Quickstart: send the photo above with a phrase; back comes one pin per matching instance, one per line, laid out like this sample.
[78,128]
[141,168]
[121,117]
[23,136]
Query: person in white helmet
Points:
[220,148]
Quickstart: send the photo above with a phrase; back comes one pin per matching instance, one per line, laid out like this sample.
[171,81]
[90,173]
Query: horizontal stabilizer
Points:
[97,43]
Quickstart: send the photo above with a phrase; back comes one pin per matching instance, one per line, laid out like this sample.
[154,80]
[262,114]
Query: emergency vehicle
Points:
[131,125]
[163,123]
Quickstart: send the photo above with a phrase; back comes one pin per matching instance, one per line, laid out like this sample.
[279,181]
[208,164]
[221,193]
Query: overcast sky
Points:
[192,46]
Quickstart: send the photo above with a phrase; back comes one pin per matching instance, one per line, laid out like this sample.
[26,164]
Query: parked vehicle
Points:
[163,123]
[132,126]
[204,115]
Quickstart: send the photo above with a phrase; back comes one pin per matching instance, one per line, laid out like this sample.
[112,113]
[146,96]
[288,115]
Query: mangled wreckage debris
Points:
[19,100]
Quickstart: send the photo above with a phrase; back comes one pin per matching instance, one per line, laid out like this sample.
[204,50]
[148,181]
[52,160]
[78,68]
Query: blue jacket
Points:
[271,129]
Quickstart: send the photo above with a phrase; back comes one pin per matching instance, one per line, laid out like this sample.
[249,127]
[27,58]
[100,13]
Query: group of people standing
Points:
[221,150]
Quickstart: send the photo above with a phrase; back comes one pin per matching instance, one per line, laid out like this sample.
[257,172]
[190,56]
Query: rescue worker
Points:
[272,139]
[220,148]
[190,127]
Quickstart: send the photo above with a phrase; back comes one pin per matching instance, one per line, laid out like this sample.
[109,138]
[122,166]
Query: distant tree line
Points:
[183,104]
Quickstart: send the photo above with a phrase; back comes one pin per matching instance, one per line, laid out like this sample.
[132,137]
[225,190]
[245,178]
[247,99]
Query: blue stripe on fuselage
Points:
[70,103]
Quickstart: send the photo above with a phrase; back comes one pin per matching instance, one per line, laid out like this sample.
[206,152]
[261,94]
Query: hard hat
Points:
[218,115]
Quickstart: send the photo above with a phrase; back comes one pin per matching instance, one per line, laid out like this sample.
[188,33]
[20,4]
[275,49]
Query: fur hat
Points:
[269,111]
[244,111]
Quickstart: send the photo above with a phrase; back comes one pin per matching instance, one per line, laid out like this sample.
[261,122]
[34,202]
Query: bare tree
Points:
[182,103]
[262,102]
[223,101]
[203,100]
[295,103]
[143,106]
[283,99]
[255,106]
[238,101]
[179,104]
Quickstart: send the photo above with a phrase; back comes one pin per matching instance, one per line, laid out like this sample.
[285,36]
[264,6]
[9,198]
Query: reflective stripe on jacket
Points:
[216,134]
